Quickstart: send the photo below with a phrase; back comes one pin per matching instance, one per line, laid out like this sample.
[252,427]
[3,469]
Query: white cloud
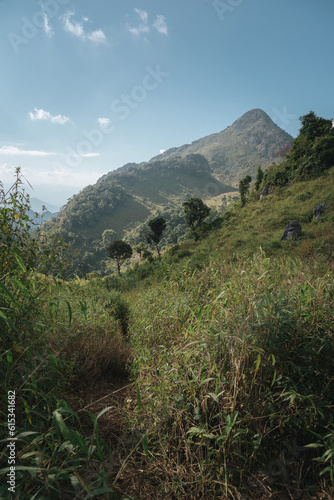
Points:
[87,155]
[160,25]
[41,114]
[14,151]
[97,36]
[143,15]
[162,151]
[141,28]
[47,28]
[76,28]
[104,121]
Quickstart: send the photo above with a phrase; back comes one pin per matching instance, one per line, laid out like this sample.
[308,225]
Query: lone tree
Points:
[157,227]
[244,188]
[195,211]
[119,251]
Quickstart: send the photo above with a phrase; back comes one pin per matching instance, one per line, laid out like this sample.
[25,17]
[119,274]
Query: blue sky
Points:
[87,86]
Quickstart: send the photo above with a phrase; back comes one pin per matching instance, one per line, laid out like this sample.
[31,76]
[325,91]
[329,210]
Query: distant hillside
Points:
[122,199]
[37,206]
[170,180]
[252,140]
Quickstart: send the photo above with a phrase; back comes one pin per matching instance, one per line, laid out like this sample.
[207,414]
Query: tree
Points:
[107,237]
[157,227]
[195,211]
[119,251]
[259,178]
[140,248]
[244,188]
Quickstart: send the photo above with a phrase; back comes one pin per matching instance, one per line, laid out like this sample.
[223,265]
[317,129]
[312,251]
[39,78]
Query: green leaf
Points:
[7,292]
[60,425]
[9,356]
[203,382]
[99,491]
[104,411]
[329,469]
[138,398]
[214,397]
[314,445]
[145,446]
[258,362]
[69,311]
[19,260]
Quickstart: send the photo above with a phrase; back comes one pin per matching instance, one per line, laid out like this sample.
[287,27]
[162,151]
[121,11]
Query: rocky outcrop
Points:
[292,231]
[318,210]
[264,192]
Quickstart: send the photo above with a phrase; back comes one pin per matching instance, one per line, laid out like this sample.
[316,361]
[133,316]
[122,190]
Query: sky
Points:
[87,86]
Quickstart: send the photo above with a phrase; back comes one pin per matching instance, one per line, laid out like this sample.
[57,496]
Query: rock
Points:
[318,210]
[264,192]
[292,231]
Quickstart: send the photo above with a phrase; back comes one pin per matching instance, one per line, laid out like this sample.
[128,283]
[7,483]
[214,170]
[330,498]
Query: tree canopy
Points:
[244,188]
[195,211]
[157,227]
[119,251]
[311,154]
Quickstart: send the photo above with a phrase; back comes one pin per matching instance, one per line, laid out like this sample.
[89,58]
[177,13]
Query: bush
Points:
[119,309]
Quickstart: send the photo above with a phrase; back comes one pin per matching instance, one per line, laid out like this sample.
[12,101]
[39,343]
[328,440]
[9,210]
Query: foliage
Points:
[119,308]
[244,189]
[259,178]
[53,458]
[120,251]
[311,154]
[195,212]
[157,227]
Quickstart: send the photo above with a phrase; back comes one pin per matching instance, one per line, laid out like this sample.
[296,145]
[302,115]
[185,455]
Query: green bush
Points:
[119,309]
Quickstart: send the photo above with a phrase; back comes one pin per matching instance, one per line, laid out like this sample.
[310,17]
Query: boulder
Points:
[264,192]
[318,210]
[292,231]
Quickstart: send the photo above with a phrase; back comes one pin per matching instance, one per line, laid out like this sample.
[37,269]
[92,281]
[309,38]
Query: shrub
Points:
[119,309]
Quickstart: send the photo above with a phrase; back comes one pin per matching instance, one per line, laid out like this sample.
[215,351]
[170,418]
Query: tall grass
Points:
[235,364]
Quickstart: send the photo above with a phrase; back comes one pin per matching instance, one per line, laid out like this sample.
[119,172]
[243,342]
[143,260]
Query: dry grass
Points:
[96,353]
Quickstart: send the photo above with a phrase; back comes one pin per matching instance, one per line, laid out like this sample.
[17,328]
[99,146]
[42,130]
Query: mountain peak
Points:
[253,115]
[252,140]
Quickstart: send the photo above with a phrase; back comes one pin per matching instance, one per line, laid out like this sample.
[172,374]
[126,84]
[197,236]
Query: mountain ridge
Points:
[260,141]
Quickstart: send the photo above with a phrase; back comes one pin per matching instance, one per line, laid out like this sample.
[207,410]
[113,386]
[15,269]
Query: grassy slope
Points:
[261,223]
[233,354]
